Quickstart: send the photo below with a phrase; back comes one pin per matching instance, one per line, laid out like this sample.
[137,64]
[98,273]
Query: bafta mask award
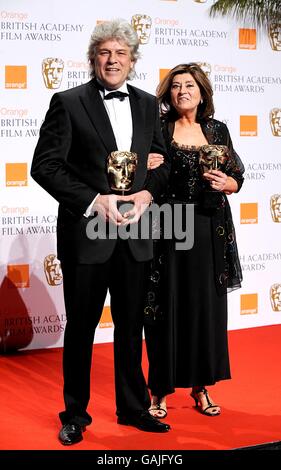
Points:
[212,157]
[121,169]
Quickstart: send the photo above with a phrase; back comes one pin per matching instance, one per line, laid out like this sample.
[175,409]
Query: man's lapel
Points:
[96,111]
[138,120]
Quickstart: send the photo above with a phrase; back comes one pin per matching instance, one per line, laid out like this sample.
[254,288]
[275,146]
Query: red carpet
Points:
[31,396]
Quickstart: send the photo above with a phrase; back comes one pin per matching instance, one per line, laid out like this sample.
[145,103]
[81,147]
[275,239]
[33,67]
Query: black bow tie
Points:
[116,94]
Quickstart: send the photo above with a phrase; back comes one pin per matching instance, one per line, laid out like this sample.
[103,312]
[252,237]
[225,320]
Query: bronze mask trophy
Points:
[212,157]
[121,169]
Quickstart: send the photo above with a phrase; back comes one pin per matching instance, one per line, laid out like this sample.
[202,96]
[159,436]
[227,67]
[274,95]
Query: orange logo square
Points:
[163,73]
[16,76]
[16,174]
[18,274]
[106,319]
[248,304]
[247,38]
[248,126]
[249,213]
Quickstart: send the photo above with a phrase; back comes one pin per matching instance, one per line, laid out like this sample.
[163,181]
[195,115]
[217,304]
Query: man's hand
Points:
[141,201]
[106,206]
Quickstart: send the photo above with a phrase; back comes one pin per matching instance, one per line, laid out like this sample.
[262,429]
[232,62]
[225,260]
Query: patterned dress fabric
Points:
[186,304]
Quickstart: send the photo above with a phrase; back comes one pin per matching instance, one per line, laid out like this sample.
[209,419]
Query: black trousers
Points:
[85,289]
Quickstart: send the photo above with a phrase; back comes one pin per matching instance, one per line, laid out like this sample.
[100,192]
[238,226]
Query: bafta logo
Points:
[275,297]
[142,26]
[200,1]
[52,270]
[275,121]
[52,71]
[121,169]
[274,33]
[275,207]
[205,67]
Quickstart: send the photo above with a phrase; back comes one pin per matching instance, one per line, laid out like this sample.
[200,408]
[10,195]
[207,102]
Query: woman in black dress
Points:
[186,305]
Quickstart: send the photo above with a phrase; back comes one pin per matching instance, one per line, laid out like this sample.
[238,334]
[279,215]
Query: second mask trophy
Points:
[212,157]
[121,169]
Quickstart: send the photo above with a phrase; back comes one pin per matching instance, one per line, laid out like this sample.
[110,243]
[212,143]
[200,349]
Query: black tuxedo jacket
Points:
[70,163]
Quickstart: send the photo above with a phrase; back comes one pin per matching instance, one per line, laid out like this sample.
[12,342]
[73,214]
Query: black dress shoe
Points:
[71,434]
[144,421]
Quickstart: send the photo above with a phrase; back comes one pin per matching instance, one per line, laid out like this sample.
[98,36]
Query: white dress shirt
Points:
[120,116]
[119,113]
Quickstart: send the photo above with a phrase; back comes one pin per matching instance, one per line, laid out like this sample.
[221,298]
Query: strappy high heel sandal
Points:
[158,408]
[208,410]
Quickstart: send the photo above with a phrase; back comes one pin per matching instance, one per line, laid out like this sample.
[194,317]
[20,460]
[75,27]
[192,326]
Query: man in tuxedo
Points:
[82,127]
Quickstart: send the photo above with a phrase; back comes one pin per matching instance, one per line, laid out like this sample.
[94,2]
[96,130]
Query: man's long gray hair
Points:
[120,30]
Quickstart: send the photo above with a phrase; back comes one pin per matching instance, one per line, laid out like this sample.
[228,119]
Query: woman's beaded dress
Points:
[186,305]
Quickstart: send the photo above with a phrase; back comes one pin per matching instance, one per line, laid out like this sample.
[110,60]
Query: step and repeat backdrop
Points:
[43,50]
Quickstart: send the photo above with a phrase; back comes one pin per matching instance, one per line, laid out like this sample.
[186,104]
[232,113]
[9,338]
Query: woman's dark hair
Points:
[205,109]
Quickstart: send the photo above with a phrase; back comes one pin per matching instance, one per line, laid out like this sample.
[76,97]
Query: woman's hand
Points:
[221,182]
[217,179]
[154,160]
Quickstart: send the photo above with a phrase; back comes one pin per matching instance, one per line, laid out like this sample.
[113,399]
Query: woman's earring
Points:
[201,101]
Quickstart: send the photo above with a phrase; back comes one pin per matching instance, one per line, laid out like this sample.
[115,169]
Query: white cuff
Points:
[89,211]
